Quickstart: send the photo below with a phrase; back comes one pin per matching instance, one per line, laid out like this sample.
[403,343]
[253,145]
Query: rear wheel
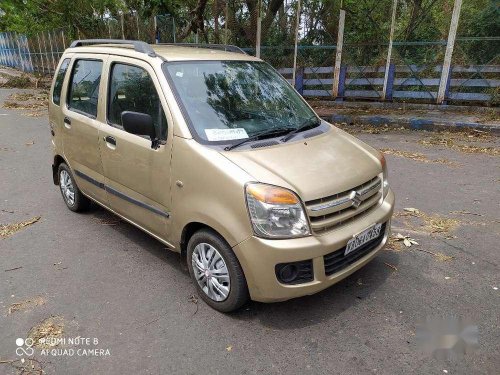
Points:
[216,271]
[72,196]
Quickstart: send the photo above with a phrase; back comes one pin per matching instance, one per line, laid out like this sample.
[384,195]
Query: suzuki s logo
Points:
[355,198]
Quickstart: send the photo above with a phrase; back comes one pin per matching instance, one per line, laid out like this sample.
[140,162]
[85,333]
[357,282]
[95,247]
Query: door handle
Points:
[111,140]
[67,122]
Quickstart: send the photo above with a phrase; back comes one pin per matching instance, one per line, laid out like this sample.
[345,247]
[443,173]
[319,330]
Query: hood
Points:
[314,168]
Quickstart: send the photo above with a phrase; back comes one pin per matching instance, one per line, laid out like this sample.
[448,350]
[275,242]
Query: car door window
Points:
[84,89]
[56,94]
[132,89]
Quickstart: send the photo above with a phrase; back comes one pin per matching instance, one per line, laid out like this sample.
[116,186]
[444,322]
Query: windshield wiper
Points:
[261,135]
[310,122]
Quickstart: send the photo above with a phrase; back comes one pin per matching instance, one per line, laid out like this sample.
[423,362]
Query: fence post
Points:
[341,87]
[121,21]
[64,40]
[389,87]
[448,86]
[21,62]
[155,23]
[299,80]
[257,38]
[445,73]
[389,51]
[137,24]
[46,53]
[225,23]
[297,23]
[216,22]
[51,51]
[40,53]
[338,54]
[173,28]
[32,66]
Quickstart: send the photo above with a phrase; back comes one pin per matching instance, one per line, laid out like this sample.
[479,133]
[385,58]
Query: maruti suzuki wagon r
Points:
[213,153]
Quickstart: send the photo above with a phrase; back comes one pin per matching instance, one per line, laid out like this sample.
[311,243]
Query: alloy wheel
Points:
[67,187]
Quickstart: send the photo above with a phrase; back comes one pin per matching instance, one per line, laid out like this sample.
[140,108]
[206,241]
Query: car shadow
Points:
[310,310]
[138,237]
[296,313]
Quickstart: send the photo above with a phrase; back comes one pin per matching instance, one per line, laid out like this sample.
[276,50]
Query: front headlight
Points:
[385,181]
[275,212]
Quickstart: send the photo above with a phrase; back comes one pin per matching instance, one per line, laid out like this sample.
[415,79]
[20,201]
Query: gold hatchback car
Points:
[214,154]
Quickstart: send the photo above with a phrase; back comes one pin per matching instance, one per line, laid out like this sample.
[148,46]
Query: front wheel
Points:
[216,271]
[72,196]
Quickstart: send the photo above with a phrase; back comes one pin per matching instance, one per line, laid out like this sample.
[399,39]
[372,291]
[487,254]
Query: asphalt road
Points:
[105,279]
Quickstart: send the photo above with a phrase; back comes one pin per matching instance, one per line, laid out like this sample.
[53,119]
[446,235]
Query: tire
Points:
[76,201]
[204,241]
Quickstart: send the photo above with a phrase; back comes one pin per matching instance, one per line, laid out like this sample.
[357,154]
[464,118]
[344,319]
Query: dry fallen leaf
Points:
[440,224]
[45,332]
[26,304]
[390,265]
[9,229]
[229,348]
[407,240]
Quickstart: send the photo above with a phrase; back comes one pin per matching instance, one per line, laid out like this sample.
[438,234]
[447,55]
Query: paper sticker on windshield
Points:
[225,134]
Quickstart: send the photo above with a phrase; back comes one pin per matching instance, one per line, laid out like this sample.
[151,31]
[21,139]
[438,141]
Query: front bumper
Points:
[258,257]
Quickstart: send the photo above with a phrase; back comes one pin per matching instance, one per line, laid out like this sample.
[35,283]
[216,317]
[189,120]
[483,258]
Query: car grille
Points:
[327,213]
[336,261]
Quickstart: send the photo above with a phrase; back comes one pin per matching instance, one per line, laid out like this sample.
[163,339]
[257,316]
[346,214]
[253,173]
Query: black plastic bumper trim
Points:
[121,195]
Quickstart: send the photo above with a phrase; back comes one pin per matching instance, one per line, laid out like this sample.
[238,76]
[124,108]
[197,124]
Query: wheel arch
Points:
[188,231]
[58,160]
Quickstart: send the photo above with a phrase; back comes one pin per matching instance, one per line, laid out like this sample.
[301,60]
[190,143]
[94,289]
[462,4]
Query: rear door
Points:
[80,126]
[137,177]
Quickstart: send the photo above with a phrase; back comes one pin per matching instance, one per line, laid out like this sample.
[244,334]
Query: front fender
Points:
[209,189]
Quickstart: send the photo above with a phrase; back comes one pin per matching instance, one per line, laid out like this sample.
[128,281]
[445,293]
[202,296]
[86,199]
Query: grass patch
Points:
[19,82]
[16,105]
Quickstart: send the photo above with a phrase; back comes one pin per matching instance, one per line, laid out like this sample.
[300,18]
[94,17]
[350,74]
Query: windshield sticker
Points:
[225,134]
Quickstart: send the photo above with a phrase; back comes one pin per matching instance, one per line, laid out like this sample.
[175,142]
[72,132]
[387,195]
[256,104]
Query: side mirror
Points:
[138,123]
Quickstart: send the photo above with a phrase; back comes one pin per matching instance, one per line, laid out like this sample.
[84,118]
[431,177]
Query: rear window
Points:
[84,89]
[56,94]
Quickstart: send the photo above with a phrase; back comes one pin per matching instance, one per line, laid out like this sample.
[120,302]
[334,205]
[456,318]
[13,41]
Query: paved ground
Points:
[102,278]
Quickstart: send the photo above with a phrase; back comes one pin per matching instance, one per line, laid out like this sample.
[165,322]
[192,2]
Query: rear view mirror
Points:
[138,123]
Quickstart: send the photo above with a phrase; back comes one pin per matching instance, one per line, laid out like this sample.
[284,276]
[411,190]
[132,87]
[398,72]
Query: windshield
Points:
[224,101]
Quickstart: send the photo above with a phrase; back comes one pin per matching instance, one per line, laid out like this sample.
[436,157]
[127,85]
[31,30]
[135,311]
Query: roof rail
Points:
[139,46]
[223,47]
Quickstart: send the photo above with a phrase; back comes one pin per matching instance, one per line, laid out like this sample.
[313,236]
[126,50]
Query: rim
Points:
[211,272]
[67,189]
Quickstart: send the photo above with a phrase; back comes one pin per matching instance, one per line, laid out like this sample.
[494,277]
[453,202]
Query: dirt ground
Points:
[92,276]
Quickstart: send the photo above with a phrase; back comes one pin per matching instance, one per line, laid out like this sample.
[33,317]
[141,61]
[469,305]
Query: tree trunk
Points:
[197,21]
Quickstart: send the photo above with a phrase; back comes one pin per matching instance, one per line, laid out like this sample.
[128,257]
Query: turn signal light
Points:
[272,194]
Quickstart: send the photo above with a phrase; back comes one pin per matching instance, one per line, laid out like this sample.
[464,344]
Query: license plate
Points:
[360,239]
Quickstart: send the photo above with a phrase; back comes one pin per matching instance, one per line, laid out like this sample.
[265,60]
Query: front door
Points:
[80,128]
[137,177]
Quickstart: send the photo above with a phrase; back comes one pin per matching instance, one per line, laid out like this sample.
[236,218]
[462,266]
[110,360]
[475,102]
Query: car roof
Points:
[167,52]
